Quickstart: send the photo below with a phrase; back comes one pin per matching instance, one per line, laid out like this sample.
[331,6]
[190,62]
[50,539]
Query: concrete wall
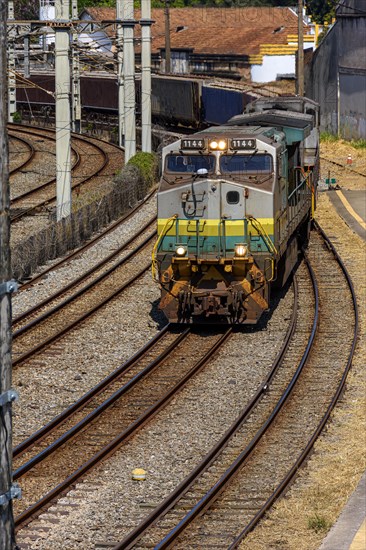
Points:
[336,78]
[272,66]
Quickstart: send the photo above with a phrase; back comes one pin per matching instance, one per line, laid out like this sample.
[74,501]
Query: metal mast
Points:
[121,99]
[128,24]
[167,37]
[63,118]
[7,490]
[76,100]
[300,51]
[146,23]
[12,98]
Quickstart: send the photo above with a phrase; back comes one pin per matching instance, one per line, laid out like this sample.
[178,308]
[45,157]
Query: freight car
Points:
[235,202]
[188,102]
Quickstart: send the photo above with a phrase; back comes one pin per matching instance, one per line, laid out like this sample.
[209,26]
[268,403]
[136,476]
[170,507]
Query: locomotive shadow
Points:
[157,315]
[276,296]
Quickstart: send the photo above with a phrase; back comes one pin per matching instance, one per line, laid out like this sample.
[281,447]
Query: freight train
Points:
[235,203]
[184,101]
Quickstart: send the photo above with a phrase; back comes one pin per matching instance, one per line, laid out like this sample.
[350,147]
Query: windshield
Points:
[190,163]
[253,164]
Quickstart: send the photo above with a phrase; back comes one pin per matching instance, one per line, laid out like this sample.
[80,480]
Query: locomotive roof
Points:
[297,126]
[232,129]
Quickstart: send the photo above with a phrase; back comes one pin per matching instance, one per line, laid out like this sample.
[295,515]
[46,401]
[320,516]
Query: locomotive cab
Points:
[207,229]
[229,203]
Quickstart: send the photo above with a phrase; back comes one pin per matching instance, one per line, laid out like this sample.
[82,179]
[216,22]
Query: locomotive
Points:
[235,203]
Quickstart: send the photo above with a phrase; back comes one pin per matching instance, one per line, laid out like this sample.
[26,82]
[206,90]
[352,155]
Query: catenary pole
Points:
[167,37]
[63,117]
[120,83]
[300,51]
[26,57]
[76,99]
[12,98]
[128,24]
[7,489]
[146,23]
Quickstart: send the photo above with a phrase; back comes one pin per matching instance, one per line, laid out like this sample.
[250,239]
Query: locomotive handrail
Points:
[259,227]
[302,182]
[157,244]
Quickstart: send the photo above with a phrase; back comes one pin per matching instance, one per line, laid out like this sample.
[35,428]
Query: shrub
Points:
[328,137]
[359,143]
[148,166]
[318,523]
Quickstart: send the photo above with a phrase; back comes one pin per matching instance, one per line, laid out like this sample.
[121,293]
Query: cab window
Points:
[252,164]
[190,163]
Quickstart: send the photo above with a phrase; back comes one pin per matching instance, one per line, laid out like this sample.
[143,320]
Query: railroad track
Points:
[107,416]
[274,436]
[236,483]
[43,324]
[83,172]
[169,361]
[339,169]
[89,244]
[30,152]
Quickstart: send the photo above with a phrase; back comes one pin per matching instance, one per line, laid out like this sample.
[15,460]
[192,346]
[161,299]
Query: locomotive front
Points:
[215,253]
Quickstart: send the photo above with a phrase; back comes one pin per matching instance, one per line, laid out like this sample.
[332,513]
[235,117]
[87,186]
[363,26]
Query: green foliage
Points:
[327,137]
[191,3]
[359,143]
[318,523]
[17,117]
[321,11]
[147,164]
[26,9]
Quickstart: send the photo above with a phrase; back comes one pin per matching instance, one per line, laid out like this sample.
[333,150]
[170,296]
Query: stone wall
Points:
[57,238]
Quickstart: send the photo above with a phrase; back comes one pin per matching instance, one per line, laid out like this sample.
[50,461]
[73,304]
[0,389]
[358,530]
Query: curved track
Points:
[237,489]
[30,154]
[44,194]
[112,412]
[82,298]
[227,494]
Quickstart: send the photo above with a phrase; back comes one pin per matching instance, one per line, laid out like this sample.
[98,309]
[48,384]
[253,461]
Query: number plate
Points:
[192,144]
[243,144]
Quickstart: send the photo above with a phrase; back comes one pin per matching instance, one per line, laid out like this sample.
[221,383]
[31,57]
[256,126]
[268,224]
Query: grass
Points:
[359,143]
[318,523]
[147,164]
[328,137]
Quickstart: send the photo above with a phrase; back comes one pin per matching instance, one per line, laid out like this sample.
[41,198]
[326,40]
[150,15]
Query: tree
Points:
[321,11]
[26,9]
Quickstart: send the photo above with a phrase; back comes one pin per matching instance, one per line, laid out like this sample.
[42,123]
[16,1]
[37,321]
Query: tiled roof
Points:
[222,31]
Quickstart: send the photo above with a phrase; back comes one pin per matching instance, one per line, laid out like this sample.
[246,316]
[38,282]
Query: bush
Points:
[318,523]
[147,164]
[359,143]
[328,137]
[17,117]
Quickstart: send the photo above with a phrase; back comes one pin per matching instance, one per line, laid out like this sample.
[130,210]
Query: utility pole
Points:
[76,99]
[121,98]
[300,51]
[63,118]
[146,23]
[167,36]
[8,491]
[128,24]
[26,57]
[12,98]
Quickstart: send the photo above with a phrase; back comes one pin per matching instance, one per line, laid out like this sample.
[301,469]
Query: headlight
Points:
[215,145]
[180,250]
[241,250]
